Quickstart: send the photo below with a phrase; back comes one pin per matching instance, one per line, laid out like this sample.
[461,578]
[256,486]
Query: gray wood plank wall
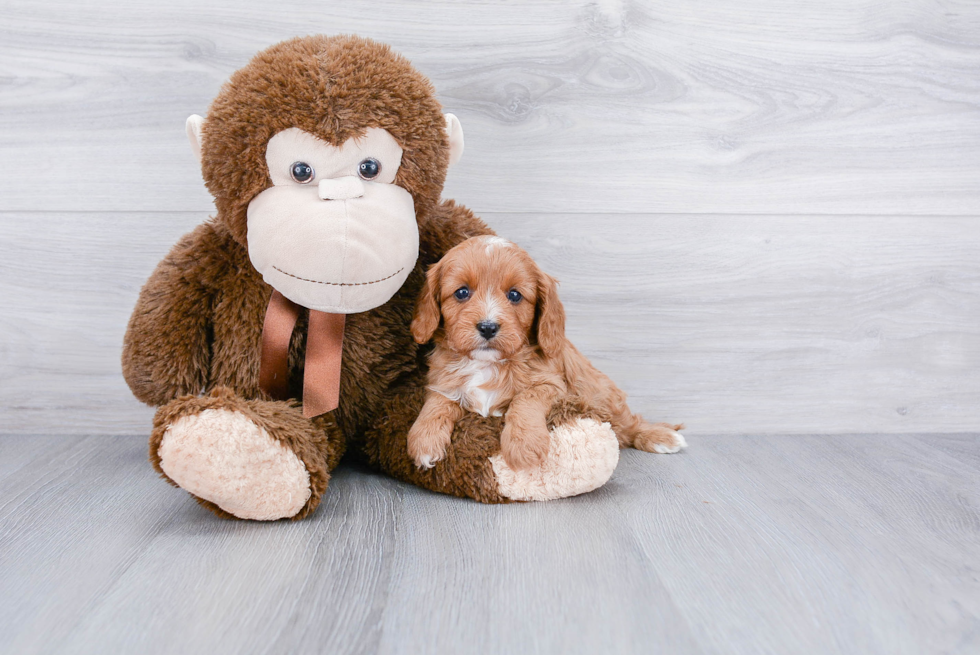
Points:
[764,216]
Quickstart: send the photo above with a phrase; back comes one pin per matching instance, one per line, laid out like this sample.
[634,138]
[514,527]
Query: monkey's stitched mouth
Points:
[341,284]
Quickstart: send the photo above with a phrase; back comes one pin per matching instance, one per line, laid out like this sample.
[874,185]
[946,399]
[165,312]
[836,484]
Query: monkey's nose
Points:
[341,188]
[487,329]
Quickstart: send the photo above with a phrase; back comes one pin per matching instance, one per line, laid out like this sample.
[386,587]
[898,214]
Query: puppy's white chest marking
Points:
[471,395]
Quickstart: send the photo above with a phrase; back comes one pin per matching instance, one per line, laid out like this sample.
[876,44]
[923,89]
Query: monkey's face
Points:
[320,153]
[333,233]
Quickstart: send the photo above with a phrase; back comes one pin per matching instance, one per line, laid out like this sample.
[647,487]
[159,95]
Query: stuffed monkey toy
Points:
[275,336]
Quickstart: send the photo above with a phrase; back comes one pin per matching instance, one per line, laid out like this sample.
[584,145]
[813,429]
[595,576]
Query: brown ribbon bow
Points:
[324,346]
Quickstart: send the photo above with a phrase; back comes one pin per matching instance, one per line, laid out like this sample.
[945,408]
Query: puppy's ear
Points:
[427,311]
[549,316]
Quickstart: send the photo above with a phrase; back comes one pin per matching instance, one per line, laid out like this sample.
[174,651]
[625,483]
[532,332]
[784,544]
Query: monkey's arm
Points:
[166,350]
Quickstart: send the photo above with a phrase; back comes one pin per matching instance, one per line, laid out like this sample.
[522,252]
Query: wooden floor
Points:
[823,544]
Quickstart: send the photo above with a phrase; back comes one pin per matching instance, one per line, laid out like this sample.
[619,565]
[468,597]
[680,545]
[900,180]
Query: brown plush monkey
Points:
[326,157]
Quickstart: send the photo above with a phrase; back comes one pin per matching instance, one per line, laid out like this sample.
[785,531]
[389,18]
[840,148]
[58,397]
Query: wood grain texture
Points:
[105,567]
[842,107]
[811,544]
[18,451]
[734,324]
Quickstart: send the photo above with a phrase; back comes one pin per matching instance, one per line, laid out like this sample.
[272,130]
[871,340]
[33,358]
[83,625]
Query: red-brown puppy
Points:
[501,351]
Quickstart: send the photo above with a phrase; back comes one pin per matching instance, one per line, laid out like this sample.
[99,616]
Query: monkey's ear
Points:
[193,127]
[455,131]
[427,312]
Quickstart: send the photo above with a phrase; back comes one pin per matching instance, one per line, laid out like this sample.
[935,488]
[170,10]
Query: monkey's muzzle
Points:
[345,255]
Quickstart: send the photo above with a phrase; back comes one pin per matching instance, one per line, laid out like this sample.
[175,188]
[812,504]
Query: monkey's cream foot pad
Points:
[582,457]
[222,456]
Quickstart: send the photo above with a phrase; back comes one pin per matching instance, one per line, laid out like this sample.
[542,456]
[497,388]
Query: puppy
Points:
[501,350]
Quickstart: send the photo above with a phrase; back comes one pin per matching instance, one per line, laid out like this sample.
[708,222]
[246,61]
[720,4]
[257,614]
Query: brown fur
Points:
[533,364]
[197,324]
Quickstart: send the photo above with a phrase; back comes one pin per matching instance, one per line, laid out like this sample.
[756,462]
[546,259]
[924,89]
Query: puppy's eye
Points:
[301,172]
[369,169]
[514,296]
[462,293]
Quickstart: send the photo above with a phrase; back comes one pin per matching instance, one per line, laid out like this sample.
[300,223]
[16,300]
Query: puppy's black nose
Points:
[487,329]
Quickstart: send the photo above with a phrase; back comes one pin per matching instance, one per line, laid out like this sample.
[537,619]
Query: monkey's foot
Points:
[222,456]
[582,457]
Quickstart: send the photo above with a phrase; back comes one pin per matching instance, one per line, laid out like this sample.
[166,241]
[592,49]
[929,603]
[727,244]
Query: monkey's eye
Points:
[514,296]
[462,293]
[301,172]
[369,168]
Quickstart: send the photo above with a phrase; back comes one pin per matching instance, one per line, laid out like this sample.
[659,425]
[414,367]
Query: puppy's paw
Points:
[524,448]
[427,461]
[427,444]
[662,438]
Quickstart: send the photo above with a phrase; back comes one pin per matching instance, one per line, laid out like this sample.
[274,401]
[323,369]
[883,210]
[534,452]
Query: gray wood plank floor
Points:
[744,544]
